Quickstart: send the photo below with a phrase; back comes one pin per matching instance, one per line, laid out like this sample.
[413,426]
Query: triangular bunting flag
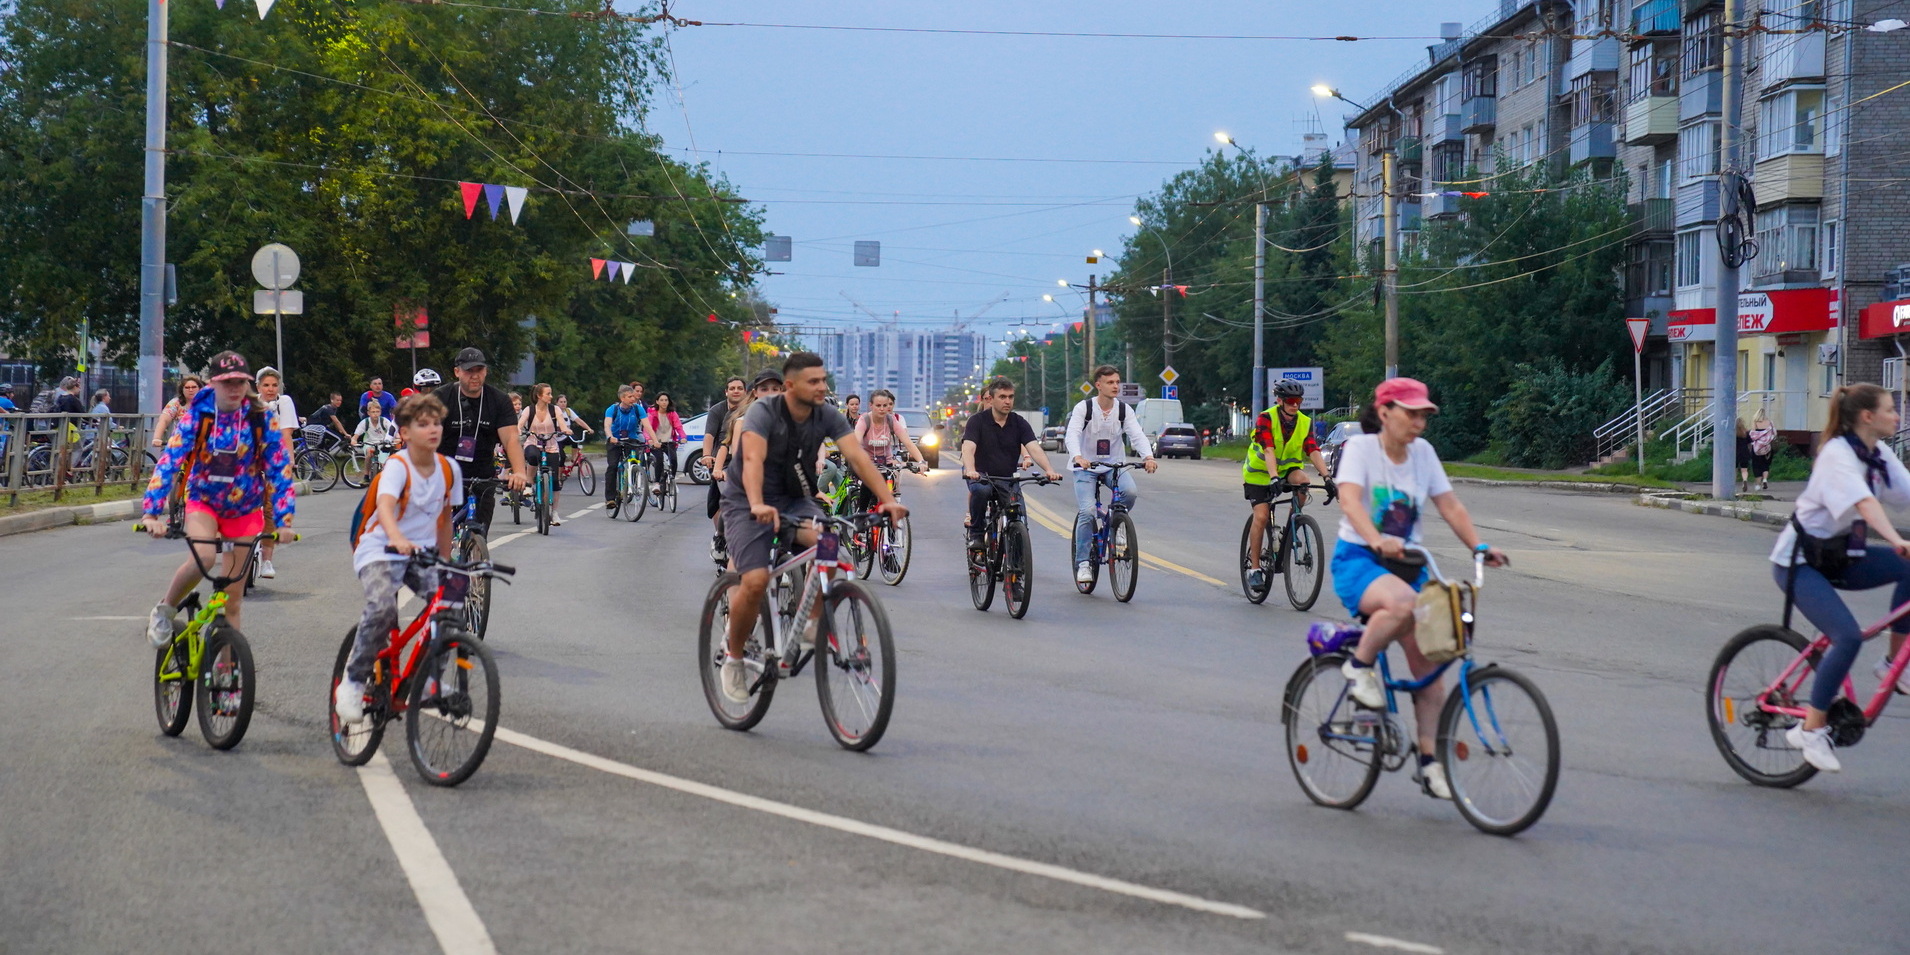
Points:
[471,192]
[628,267]
[265,7]
[615,267]
[514,195]
[493,195]
[219,3]
[596,268]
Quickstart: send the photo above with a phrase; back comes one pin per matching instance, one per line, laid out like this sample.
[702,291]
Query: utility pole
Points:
[1067,362]
[152,220]
[1724,361]
[1088,368]
[1259,390]
[1390,224]
[1129,374]
[1167,318]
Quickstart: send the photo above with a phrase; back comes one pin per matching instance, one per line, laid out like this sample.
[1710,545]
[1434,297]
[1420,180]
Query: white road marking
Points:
[572,517]
[882,833]
[106,618]
[1399,944]
[1053,522]
[500,542]
[446,908]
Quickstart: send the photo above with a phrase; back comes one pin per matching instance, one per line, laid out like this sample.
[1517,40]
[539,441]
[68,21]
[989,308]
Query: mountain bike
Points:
[851,645]
[1111,537]
[886,547]
[633,485]
[469,543]
[1757,690]
[208,657]
[576,463]
[447,683]
[1298,551]
[543,491]
[1496,739]
[1007,553]
[666,490]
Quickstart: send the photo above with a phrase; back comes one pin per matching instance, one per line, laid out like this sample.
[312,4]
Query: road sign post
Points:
[276,266]
[1170,391]
[1638,327]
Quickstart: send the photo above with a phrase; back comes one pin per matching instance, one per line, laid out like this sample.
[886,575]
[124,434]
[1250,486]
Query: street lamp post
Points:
[1259,389]
[1167,284]
[1389,211]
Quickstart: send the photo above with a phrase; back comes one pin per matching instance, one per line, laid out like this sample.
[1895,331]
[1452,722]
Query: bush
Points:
[1547,418]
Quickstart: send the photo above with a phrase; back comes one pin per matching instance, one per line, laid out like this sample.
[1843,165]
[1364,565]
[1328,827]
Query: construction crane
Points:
[864,309]
[962,323]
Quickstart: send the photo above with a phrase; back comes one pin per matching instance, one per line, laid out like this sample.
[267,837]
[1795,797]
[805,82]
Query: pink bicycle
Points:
[1757,691]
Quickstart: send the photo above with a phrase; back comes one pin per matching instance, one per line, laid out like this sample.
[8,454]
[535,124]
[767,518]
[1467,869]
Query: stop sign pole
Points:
[1637,327]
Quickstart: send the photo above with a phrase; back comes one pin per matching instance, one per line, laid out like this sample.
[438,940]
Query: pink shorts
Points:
[244,527]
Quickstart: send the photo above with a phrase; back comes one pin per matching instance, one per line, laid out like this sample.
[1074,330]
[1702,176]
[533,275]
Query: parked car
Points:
[1178,440]
[928,436]
[1336,442]
[689,453]
[1051,438]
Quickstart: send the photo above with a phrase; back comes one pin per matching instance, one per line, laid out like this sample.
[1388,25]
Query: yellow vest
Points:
[1289,450]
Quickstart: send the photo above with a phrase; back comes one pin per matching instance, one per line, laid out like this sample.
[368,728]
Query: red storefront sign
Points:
[1885,318]
[1777,312]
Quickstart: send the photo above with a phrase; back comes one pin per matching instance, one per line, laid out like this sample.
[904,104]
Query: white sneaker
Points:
[267,571]
[1817,747]
[1083,573]
[555,521]
[1903,679]
[1435,776]
[159,626]
[349,702]
[1363,683]
[735,680]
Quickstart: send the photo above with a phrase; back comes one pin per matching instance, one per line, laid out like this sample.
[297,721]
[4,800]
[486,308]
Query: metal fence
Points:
[72,453]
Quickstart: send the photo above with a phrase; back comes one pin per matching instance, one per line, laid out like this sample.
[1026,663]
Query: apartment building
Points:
[917,366]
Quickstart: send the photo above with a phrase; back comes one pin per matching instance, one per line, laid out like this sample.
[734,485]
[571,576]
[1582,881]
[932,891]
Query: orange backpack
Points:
[366,514]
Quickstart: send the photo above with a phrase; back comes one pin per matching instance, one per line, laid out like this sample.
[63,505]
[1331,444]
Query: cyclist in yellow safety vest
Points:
[1286,435]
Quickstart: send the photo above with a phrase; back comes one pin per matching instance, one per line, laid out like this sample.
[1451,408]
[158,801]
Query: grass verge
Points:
[75,496]
[1551,477]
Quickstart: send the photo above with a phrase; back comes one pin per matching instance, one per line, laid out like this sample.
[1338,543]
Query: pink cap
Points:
[1404,392]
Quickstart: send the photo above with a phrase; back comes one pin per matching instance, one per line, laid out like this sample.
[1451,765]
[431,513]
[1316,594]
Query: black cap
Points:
[766,377]
[469,358]
[228,364]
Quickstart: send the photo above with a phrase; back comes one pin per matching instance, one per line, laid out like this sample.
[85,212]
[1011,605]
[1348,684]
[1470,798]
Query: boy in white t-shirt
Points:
[418,492]
[272,394]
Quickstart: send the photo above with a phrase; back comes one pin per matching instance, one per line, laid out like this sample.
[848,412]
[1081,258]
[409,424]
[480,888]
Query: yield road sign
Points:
[1169,375]
[1638,327]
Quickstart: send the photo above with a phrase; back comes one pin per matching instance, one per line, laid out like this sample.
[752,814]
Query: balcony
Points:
[1442,207]
[1788,57]
[1697,202]
[1789,177]
[1656,18]
[1445,129]
[1651,120]
[1408,150]
[1591,56]
[1411,214]
[1652,217]
[1592,141]
[1702,95]
[1479,114]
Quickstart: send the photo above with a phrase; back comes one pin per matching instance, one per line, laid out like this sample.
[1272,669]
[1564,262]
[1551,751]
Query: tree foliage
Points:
[342,130]
[1548,413]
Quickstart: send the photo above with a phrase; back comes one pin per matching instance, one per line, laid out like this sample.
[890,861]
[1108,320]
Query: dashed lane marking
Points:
[1053,522]
[1397,944]
[446,908]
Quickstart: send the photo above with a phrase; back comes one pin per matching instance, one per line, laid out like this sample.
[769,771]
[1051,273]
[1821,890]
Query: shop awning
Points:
[1777,312]
[1885,318]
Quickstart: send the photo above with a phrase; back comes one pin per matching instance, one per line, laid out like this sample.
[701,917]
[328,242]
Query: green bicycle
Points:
[633,485]
[208,658]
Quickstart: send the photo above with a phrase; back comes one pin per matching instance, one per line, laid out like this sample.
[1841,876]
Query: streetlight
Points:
[1259,389]
[1389,213]
[1167,285]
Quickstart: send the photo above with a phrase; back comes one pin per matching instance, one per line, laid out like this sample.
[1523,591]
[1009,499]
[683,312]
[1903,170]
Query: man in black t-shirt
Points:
[993,443]
[715,433]
[479,420]
[326,416]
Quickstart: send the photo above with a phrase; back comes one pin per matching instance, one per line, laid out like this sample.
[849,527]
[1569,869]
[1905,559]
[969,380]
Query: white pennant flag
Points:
[265,7]
[514,197]
[628,267]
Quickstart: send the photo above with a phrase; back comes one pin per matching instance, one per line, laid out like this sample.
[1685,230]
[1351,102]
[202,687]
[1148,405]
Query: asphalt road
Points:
[1097,777]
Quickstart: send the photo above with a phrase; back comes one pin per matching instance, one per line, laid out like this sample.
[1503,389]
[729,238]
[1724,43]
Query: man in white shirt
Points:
[272,394]
[1096,427]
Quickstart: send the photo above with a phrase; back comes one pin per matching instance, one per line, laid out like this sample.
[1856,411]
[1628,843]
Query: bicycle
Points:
[1770,669]
[543,490]
[1112,538]
[886,548]
[576,463]
[471,546]
[633,485]
[1298,550]
[359,468]
[855,677]
[448,683]
[1008,549]
[1488,731]
[666,491]
[208,658]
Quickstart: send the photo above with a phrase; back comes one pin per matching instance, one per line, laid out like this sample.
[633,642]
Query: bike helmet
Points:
[1288,388]
[426,378]
[6,387]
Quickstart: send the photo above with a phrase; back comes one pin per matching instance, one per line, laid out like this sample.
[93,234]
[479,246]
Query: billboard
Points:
[1312,379]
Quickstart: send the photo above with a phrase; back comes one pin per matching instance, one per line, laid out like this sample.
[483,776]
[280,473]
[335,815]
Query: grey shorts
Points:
[748,539]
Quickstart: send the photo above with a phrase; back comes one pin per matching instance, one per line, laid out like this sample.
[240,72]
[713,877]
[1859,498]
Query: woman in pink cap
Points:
[1386,477]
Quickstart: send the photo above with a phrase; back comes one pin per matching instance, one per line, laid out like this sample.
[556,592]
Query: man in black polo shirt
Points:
[992,444]
[479,420]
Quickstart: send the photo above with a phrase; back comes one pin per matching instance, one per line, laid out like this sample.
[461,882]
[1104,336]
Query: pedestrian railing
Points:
[70,453]
[1615,435]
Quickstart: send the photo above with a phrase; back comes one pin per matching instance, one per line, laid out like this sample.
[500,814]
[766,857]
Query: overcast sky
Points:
[959,234]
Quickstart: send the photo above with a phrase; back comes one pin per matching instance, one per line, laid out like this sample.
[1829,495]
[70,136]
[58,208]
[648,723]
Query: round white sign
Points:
[275,266]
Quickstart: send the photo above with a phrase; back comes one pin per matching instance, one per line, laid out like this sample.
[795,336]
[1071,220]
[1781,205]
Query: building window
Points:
[1698,150]
[1703,43]
[1532,61]
[1770,370]
[1592,102]
[1786,240]
[1518,68]
[1690,264]
[1481,78]
[1829,262]
[1654,72]
[1648,273]
[1792,121]
[1667,178]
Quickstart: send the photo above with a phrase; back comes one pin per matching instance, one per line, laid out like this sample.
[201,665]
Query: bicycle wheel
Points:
[1017,568]
[228,686]
[855,669]
[1750,737]
[477,600]
[1332,745]
[1301,563]
[351,470]
[982,568]
[1124,556]
[1256,594]
[712,638]
[455,697]
[892,558]
[353,745]
[586,477]
[317,469]
[1094,560]
[172,688]
[543,503]
[637,497]
[862,543]
[1500,747]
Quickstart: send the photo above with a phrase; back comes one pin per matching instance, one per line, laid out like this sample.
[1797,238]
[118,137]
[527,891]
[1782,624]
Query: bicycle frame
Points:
[391,659]
[1105,477]
[818,582]
[1791,681]
[194,634]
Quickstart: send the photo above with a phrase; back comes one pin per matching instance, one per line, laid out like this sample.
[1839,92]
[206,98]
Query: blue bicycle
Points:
[1496,738]
[1114,541]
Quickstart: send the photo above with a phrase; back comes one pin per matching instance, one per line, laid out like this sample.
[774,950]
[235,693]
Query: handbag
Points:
[1442,619]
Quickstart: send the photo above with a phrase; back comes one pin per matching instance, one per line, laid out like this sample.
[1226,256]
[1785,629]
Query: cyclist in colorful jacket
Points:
[229,454]
[1284,434]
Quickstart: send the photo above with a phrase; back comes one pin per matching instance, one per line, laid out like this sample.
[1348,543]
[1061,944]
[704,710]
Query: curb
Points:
[1593,486]
[1743,512]
[79,514]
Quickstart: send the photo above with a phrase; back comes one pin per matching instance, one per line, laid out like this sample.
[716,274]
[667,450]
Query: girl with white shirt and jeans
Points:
[1386,478]
[1851,479]
[1096,427]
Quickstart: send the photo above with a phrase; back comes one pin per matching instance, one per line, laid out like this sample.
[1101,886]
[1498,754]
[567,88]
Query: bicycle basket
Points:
[1442,619]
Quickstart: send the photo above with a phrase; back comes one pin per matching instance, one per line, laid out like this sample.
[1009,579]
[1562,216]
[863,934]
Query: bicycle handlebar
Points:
[1432,565]
[427,557]
[178,531]
[1018,479]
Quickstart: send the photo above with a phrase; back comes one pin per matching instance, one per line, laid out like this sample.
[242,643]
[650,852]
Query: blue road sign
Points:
[1170,391]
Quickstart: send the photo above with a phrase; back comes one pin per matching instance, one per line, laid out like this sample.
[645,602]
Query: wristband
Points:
[1481,547]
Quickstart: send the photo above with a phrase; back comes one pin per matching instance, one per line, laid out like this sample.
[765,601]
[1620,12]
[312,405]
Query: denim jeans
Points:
[1084,505]
[1818,601]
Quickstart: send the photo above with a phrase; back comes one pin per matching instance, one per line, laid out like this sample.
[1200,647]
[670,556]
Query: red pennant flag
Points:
[749,335]
[1475,195]
[471,190]
[596,267]
[712,316]
[1077,326]
[1182,289]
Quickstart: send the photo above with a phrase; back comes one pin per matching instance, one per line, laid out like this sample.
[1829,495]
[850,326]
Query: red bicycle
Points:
[1757,689]
[447,682]
[576,463]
